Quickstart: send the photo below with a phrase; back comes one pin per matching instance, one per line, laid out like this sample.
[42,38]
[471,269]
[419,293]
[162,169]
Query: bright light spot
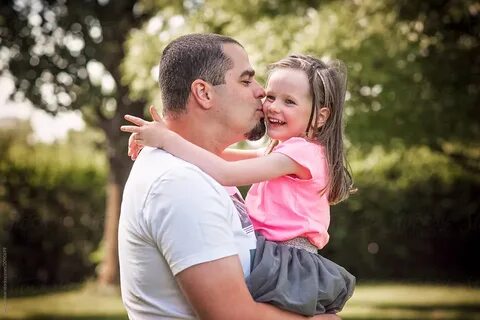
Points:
[49,16]
[4,54]
[73,43]
[64,78]
[82,73]
[108,84]
[64,99]
[164,36]
[34,20]
[47,91]
[7,86]
[176,22]
[349,111]
[363,22]
[95,32]
[111,105]
[365,91]
[95,72]
[418,26]
[154,25]
[348,96]
[376,90]
[46,128]
[376,106]
[154,72]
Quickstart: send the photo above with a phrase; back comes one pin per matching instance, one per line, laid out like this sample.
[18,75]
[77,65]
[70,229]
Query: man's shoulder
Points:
[159,162]
[163,169]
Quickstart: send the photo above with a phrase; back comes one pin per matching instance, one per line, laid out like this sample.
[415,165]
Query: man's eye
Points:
[246,82]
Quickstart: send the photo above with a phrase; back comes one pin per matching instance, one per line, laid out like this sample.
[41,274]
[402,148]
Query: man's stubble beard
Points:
[257,132]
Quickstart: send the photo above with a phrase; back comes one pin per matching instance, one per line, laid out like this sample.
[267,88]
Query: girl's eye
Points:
[270,98]
[288,101]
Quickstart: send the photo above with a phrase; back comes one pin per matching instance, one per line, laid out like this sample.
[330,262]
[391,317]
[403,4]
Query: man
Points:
[184,251]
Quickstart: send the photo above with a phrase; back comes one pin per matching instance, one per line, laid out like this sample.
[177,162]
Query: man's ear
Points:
[322,117]
[202,93]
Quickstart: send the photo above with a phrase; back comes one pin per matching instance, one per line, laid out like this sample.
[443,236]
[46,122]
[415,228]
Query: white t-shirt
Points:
[174,216]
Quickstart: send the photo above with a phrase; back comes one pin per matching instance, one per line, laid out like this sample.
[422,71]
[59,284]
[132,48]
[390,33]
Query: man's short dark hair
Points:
[188,58]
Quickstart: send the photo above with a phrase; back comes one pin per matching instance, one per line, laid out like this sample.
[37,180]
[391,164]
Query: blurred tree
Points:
[65,55]
[414,72]
[50,199]
[413,67]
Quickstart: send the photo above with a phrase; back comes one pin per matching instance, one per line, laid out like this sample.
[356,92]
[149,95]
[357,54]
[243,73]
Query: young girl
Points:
[301,174]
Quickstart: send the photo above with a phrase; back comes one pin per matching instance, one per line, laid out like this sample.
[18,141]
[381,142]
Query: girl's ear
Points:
[322,116]
[201,92]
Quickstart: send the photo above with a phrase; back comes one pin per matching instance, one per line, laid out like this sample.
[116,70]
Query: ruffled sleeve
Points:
[308,154]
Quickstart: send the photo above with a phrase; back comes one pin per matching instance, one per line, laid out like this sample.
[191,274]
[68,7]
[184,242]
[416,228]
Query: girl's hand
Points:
[145,133]
[133,147]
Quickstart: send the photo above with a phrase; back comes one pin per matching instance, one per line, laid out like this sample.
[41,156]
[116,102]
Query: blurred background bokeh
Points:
[70,71]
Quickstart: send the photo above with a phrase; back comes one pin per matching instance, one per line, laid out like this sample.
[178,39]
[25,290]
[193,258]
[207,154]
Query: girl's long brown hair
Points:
[327,87]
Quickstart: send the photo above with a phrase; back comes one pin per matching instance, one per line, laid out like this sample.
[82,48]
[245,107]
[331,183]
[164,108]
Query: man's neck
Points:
[200,136]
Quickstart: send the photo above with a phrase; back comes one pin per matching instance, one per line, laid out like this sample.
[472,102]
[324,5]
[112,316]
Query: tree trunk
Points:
[119,169]
[109,268]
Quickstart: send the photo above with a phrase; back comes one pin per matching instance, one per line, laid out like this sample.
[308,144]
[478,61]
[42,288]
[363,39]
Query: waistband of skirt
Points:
[300,243]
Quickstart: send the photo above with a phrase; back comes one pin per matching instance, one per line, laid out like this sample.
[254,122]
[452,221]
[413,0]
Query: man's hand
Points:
[216,290]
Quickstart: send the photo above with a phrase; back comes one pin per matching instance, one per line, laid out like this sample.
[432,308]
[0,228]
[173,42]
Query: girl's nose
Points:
[274,107]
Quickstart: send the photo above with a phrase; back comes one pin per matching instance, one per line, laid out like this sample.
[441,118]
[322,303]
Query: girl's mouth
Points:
[275,121]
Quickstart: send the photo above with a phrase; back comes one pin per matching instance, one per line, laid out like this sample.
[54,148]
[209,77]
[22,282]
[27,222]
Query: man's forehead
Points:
[239,57]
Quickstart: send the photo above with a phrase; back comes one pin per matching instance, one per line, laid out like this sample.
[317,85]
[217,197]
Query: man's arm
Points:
[217,290]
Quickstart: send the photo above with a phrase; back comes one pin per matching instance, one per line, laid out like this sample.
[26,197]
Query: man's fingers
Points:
[135,120]
[131,129]
[154,114]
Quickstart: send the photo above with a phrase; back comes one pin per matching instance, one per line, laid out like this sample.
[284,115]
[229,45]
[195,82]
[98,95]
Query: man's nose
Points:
[259,92]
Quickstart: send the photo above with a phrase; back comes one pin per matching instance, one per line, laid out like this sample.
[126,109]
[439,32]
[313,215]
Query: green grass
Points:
[411,301]
[380,301]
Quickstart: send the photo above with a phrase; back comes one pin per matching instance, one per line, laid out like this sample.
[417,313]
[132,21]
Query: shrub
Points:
[52,203]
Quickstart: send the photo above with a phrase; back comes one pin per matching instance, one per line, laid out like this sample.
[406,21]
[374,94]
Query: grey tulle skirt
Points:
[297,280]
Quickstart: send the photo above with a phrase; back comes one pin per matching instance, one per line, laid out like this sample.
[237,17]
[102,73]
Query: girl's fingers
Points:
[155,115]
[135,120]
[131,140]
[131,129]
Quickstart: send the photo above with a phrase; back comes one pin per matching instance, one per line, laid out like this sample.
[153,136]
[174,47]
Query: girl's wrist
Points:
[168,137]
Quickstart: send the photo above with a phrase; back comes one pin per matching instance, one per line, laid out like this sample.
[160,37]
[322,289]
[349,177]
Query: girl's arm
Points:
[242,172]
[231,154]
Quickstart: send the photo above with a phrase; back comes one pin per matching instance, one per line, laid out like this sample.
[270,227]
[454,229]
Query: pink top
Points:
[288,207]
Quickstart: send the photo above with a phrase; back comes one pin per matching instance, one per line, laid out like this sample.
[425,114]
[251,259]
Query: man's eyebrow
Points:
[249,72]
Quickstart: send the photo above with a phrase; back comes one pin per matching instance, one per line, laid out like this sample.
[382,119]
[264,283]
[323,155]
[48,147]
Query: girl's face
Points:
[288,104]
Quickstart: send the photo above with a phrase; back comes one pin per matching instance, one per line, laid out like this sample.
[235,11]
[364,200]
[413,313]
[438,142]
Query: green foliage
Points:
[52,201]
[413,66]
[416,216]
